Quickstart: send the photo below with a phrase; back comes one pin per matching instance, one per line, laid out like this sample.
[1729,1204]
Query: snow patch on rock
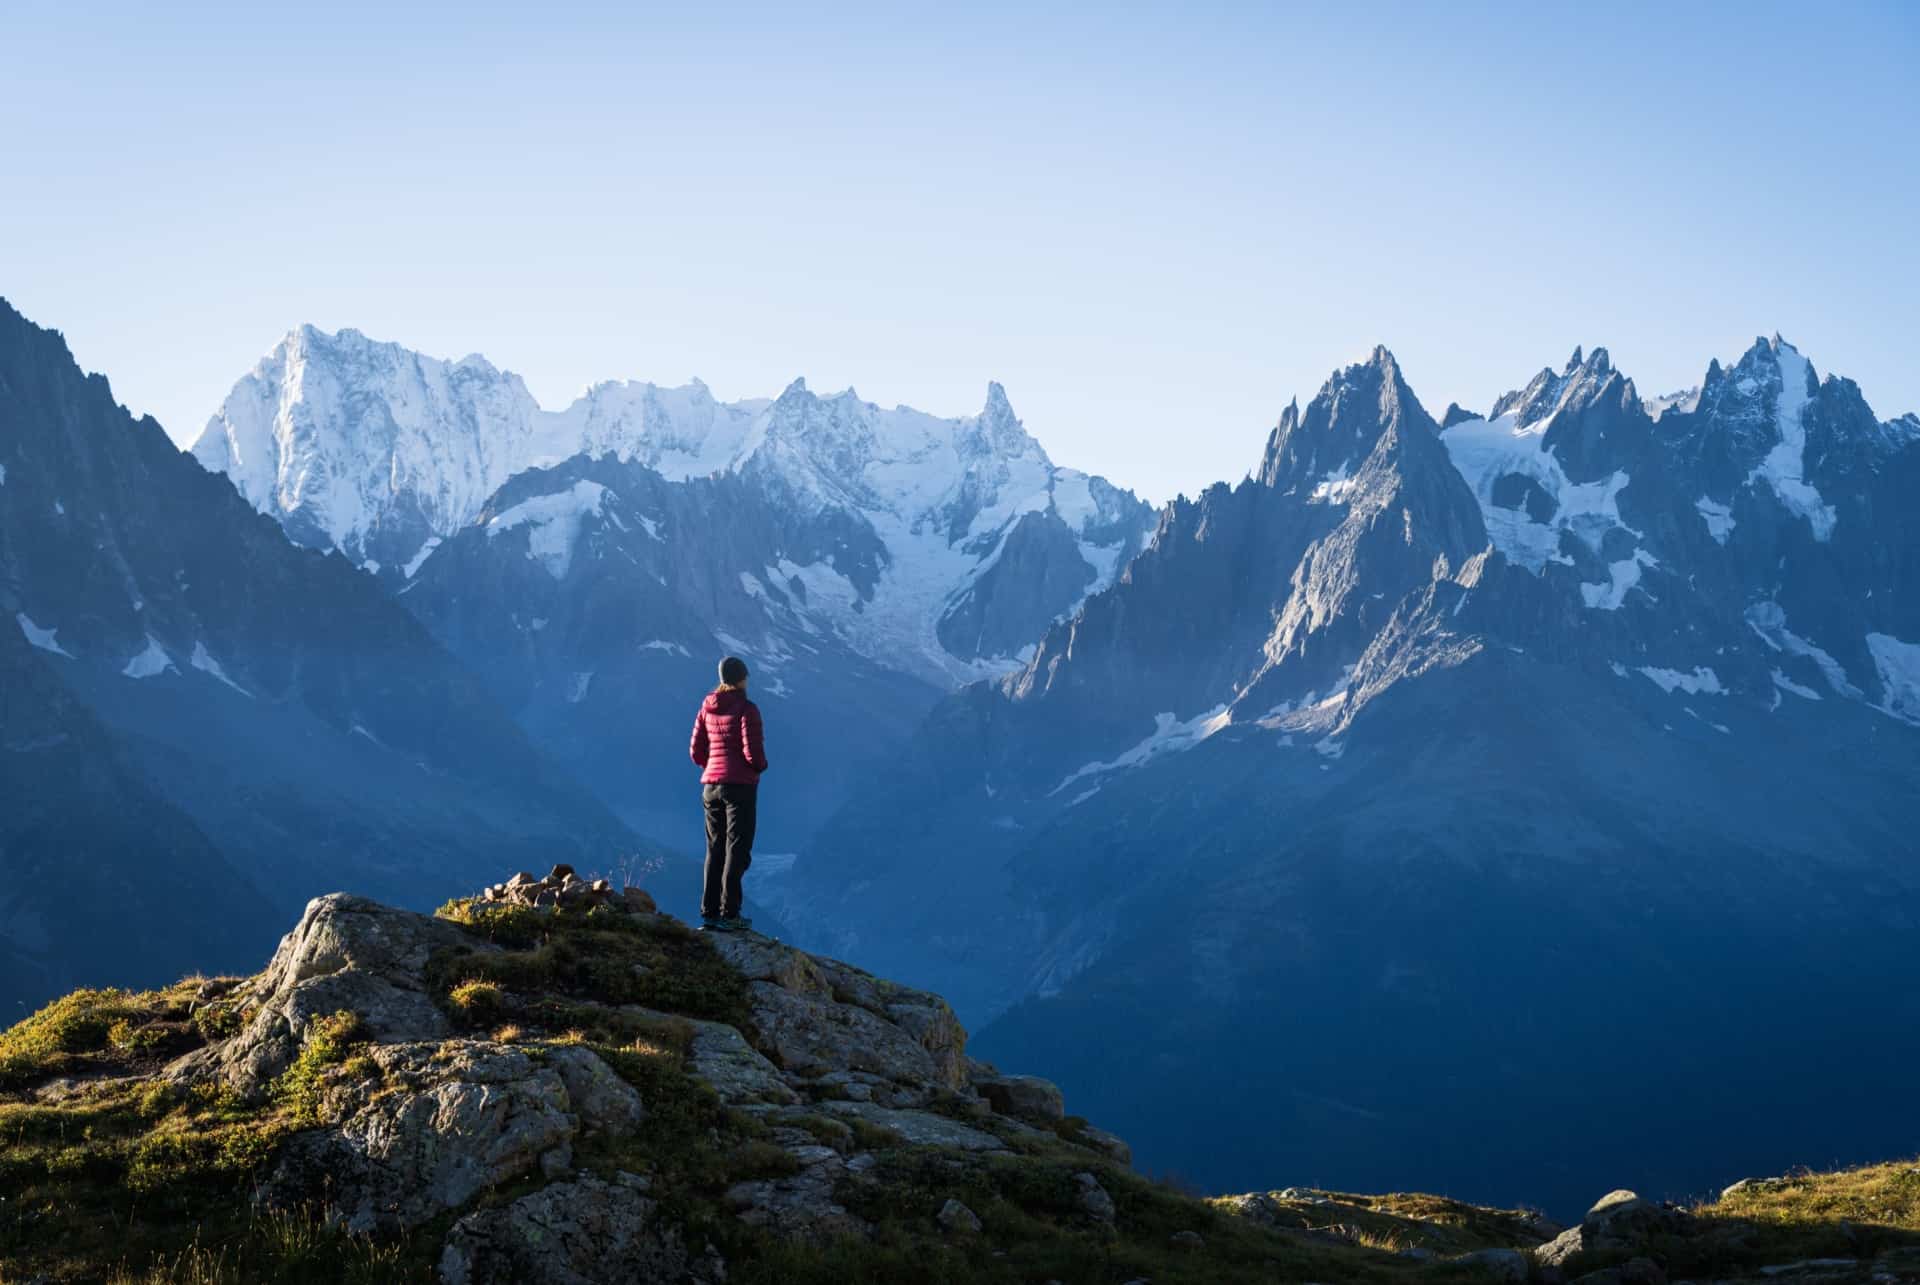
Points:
[203,661]
[555,521]
[1786,684]
[1784,468]
[426,550]
[1769,621]
[1484,451]
[1898,664]
[151,662]
[1718,517]
[44,639]
[1169,735]
[1625,576]
[1701,682]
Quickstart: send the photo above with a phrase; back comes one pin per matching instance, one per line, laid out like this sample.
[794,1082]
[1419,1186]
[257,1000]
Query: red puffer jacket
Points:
[727,742]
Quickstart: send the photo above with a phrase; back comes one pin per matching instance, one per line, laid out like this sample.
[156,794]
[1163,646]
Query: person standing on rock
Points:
[731,754]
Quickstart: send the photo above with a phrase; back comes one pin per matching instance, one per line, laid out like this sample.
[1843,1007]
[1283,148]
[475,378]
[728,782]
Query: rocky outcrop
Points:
[1618,1221]
[445,1122]
[416,1115]
[821,1018]
[347,954]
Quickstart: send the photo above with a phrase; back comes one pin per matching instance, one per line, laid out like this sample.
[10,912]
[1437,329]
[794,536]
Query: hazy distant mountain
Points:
[205,723]
[1471,801]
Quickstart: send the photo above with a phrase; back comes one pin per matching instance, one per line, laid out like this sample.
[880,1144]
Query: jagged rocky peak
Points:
[1318,451]
[1582,381]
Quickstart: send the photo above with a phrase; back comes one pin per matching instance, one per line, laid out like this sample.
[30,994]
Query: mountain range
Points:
[591,564]
[1473,804]
[1434,787]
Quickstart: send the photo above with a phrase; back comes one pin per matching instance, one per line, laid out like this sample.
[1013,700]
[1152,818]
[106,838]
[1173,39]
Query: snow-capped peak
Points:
[382,453]
[375,449]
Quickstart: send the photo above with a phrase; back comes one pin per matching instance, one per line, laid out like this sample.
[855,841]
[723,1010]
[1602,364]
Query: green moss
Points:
[299,1088]
[603,955]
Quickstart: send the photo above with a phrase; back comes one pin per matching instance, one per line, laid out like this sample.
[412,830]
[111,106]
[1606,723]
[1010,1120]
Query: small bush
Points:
[478,1003]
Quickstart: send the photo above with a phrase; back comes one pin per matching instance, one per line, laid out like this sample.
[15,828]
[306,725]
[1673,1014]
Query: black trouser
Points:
[730,817]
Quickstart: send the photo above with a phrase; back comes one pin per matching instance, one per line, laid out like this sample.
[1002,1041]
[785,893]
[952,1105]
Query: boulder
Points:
[819,1016]
[762,959]
[584,1232]
[1501,1264]
[466,1116]
[1107,1145]
[956,1217]
[800,1206]
[1187,1240]
[809,1035]
[720,1055]
[598,1096]
[346,953]
[1026,1097]
[1561,1248]
[1094,1199]
[1636,1271]
[930,1021]
[1622,1220]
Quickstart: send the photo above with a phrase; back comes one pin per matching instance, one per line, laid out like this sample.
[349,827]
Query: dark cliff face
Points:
[269,700]
[1536,738]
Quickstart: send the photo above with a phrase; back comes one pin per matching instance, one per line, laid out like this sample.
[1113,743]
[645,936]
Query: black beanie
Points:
[733,671]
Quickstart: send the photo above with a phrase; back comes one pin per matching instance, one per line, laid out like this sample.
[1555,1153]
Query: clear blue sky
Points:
[1153,226]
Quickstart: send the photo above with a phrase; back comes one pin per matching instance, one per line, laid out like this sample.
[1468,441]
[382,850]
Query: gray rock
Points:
[595,1093]
[1188,1240]
[471,1115]
[931,1023]
[1621,1220]
[809,1035]
[956,1217]
[1613,1208]
[800,1206]
[584,1232]
[1108,1145]
[346,953]
[1749,1185]
[857,1021]
[1557,1251]
[1027,1097]
[720,1055]
[1094,1198]
[918,1128]
[1501,1264]
[762,959]
[1637,1271]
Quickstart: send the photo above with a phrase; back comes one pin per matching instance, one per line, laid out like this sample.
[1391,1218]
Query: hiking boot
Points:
[712,924]
[735,924]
